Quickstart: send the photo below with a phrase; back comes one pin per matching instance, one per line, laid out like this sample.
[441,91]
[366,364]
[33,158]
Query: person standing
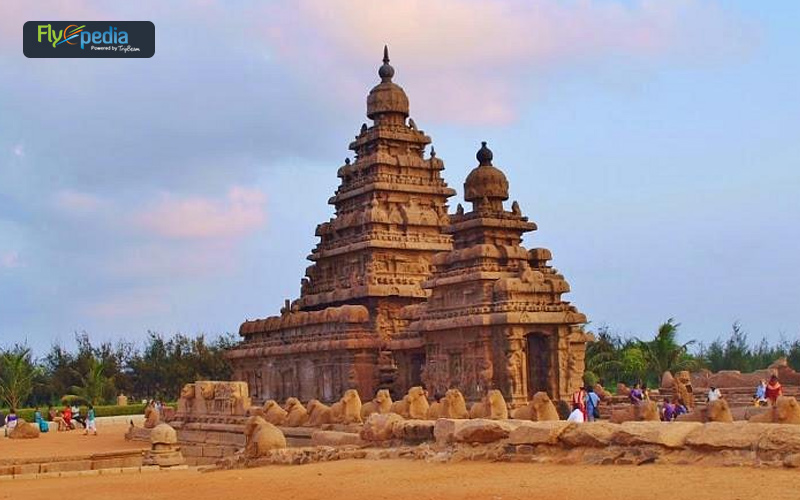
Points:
[773,390]
[579,399]
[592,404]
[761,393]
[91,424]
[714,394]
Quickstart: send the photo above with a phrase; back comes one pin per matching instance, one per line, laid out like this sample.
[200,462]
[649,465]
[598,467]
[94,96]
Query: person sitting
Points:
[76,415]
[760,399]
[668,412]
[67,416]
[40,421]
[636,394]
[714,394]
[576,415]
[11,421]
[58,419]
[680,408]
[773,390]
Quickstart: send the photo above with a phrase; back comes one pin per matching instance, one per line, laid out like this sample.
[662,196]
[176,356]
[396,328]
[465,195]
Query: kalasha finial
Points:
[433,152]
[386,72]
[484,155]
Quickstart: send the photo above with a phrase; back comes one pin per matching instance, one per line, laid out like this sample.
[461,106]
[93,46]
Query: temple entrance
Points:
[538,364]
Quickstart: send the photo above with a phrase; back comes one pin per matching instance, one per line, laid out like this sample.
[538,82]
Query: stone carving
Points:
[785,411]
[715,411]
[186,401]
[382,403]
[465,283]
[164,450]
[318,414]
[492,406]
[261,437]
[297,414]
[643,410]
[348,409]
[413,405]
[271,412]
[539,409]
[453,405]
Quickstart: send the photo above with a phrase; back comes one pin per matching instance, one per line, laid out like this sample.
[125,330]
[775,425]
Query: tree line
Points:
[613,358]
[98,373]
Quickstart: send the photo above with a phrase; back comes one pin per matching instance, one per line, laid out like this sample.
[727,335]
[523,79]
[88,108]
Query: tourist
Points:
[645,393]
[773,390]
[91,425]
[576,415]
[636,394]
[51,413]
[40,421]
[680,408]
[76,415]
[579,399]
[714,394]
[58,419]
[668,411]
[11,421]
[760,399]
[592,403]
[67,416]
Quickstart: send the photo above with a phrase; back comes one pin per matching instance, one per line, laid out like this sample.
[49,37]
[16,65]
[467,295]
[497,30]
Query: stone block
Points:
[588,434]
[443,430]
[191,436]
[336,438]
[481,430]
[72,465]
[415,431]
[719,435]
[212,451]
[380,427]
[26,469]
[784,438]
[538,432]
[6,470]
[192,451]
[667,434]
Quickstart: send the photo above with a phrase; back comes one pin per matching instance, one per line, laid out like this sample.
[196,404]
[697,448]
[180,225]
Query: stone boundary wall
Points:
[598,443]
[36,467]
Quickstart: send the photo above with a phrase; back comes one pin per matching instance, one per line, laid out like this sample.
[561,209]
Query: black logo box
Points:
[141,39]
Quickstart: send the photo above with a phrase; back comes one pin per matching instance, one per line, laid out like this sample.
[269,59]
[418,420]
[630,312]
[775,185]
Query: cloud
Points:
[476,59]
[76,202]
[241,212]
[10,260]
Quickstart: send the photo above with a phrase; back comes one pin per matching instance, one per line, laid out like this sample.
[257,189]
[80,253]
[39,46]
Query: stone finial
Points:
[459,209]
[515,208]
[484,155]
[363,128]
[412,124]
[347,161]
[386,72]
[433,152]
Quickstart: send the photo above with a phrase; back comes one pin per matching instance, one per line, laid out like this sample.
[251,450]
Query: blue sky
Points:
[655,143]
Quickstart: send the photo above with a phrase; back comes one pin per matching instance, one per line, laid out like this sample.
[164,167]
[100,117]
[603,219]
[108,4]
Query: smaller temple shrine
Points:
[402,293]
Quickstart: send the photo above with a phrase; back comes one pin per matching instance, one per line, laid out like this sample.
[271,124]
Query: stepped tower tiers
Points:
[346,329]
[495,318]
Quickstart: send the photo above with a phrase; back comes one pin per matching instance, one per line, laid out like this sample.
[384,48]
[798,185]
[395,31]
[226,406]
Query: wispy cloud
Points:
[10,260]
[240,212]
[471,61]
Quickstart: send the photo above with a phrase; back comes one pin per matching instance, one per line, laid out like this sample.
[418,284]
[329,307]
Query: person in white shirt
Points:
[576,415]
[714,394]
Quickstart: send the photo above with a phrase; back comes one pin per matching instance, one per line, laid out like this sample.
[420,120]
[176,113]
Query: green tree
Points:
[663,353]
[17,375]
[95,386]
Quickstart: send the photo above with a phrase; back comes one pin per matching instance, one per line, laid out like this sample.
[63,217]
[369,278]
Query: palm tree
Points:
[17,373]
[95,385]
[663,353]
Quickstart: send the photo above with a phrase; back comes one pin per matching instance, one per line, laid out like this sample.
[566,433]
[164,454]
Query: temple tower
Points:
[495,318]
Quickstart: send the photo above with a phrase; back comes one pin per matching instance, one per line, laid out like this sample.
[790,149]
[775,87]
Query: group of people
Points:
[767,393]
[67,419]
[585,405]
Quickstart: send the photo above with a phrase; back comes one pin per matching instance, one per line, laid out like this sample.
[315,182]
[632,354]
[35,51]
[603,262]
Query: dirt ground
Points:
[68,444]
[402,479]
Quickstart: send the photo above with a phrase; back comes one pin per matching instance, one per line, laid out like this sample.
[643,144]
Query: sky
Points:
[654,142]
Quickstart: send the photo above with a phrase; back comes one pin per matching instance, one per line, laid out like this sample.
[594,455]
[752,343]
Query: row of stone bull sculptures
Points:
[414,405]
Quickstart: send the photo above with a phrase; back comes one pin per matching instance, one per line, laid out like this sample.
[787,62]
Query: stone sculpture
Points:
[539,409]
[492,406]
[785,411]
[642,410]
[381,403]
[348,409]
[453,405]
[261,437]
[297,413]
[715,411]
[318,414]
[164,450]
[151,416]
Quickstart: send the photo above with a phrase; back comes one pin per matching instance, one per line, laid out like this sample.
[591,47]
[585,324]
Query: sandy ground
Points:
[68,444]
[402,479]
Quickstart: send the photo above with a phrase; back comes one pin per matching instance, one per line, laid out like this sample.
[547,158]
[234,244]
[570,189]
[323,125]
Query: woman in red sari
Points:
[774,390]
[67,416]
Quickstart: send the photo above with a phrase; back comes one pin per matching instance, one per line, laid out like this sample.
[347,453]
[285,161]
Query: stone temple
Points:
[402,293]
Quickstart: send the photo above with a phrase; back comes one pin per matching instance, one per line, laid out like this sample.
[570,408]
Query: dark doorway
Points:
[417,362]
[538,364]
